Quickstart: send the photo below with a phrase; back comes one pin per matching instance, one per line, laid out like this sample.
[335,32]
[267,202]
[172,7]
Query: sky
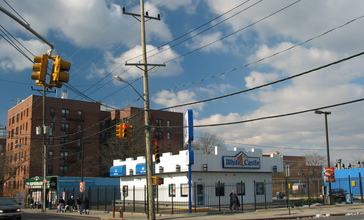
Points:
[252,71]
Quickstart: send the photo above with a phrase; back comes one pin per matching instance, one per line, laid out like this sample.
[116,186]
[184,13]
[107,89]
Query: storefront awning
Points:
[140,168]
[118,170]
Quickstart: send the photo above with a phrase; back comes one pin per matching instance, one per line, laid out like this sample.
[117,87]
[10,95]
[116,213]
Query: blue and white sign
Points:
[118,170]
[188,123]
[241,160]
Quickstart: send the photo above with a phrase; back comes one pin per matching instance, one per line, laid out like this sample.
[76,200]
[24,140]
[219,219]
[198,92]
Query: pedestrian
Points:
[234,201]
[32,203]
[60,204]
[70,204]
[85,206]
[79,203]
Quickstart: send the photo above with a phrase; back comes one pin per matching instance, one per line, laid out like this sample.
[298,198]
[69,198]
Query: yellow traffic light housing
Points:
[124,130]
[40,65]
[58,75]
[156,152]
[157,180]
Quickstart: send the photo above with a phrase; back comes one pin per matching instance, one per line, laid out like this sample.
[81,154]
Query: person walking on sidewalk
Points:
[79,203]
[234,201]
[85,206]
[60,204]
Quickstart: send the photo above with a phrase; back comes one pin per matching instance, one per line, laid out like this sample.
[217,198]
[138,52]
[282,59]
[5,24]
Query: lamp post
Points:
[118,78]
[327,142]
[148,153]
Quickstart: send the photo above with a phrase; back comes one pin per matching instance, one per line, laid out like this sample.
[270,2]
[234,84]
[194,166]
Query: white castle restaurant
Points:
[213,176]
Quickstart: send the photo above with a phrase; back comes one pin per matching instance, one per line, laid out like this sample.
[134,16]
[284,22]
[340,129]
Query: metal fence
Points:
[173,198]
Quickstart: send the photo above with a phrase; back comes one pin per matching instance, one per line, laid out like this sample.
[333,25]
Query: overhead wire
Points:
[259,87]
[226,36]
[268,84]
[191,31]
[266,57]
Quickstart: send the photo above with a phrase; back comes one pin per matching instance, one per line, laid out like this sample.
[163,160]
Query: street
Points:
[35,216]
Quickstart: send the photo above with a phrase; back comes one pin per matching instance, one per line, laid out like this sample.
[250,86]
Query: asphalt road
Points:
[34,216]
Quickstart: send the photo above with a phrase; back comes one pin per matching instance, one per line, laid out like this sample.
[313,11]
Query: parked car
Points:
[339,193]
[9,208]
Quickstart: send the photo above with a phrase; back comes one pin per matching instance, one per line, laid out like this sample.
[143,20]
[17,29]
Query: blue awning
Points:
[140,168]
[118,170]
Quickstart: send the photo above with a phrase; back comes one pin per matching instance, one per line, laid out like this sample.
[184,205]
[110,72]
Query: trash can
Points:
[349,198]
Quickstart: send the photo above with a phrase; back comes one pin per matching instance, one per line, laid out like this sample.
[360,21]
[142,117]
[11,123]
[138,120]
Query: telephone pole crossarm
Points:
[136,16]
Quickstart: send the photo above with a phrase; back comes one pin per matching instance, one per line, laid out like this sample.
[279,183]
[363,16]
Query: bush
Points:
[308,201]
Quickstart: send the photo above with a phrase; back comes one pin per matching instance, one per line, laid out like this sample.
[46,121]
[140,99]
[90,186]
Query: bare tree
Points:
[116,148]
[207,142]
[314,165]
[8,169]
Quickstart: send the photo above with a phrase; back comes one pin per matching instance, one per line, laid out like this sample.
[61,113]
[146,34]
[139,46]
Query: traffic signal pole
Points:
[27,26]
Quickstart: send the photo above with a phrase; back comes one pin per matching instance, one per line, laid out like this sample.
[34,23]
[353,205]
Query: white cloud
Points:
[168,98]
[87,23]
[12,60]
[206,42]
[256,78]
[213,89]
[116,64]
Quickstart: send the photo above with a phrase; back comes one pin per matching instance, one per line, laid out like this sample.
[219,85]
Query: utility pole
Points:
[44,136]
[144,66]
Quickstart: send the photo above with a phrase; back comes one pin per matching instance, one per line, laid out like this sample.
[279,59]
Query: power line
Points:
[267,57]
[268,84]
[189,32]
[282,115]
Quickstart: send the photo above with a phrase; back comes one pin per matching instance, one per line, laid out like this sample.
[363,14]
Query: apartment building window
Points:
[53,112]
[63,169]
[51,140]
[159,122]
[63,155]
[65,126]
[79,127]
[50,169]
[168,123]
[79,114]
[78,143]
[168,135]
[64,140]
[159,135]
[50,155]
[65,113]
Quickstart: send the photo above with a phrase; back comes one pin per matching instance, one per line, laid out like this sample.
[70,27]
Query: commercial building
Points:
[75,132]
[213,176]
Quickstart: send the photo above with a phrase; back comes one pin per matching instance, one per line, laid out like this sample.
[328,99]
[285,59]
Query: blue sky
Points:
[211,49]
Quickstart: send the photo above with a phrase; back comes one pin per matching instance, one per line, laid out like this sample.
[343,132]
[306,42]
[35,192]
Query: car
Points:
[9,208]
[339,193]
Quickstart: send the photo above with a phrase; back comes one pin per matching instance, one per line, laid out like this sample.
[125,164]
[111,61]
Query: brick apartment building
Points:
[301,176]
[73,125]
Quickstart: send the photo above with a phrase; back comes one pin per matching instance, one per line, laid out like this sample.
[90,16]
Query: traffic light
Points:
[58,75]
[40,65]
[118,130]
[156,152]
[157,180]
[124,130]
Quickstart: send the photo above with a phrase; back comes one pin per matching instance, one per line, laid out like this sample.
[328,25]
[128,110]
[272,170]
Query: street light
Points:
[118,78]
[327,141]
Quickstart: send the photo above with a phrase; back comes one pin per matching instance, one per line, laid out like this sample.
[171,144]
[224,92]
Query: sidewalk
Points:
[332,210]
